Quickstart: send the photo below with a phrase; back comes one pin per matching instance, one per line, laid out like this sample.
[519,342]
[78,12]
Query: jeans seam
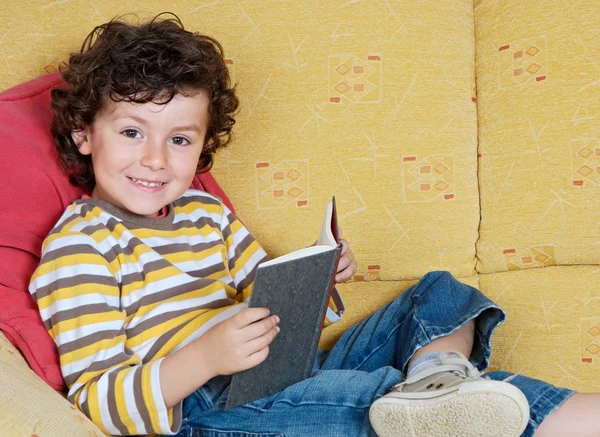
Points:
[540,401]
[390,334]
[321,403]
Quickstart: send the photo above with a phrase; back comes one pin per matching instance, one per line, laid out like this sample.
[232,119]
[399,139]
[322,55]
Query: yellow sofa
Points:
[455,135]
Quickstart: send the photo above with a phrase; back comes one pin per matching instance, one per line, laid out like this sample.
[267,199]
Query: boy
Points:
[143,285]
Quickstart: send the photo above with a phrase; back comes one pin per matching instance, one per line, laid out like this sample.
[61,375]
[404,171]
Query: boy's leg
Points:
[361,367]
[549,411]
[447,397]
[578,416]
[337,399]
[433,315]
[332,403]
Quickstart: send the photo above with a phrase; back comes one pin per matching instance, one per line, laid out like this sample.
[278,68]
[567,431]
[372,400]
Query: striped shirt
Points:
[119,292]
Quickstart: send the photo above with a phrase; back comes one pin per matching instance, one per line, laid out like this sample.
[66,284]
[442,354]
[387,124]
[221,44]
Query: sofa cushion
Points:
[35,192]
[37,410]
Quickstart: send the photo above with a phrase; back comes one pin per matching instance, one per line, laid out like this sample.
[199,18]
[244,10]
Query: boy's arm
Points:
[78,296]
[244,254]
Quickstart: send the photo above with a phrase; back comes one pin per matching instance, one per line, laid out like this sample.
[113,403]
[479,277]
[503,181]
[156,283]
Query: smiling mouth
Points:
[146,183]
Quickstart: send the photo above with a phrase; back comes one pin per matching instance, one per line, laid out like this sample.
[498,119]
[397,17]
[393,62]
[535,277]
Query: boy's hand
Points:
[347,264]
[240,342]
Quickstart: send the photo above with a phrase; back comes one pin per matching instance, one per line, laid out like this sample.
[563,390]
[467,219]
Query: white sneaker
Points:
[446,402]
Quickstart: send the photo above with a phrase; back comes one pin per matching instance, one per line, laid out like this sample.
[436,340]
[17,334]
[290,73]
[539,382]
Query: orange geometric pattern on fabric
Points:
[282,184]
[373,273]
[590,340]
[523,62]
[586,162]
[538,256]
[355,79]
[429,178]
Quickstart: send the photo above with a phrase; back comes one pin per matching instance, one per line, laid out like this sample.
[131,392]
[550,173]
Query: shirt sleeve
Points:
[336,308]
[244,254]
[78,294]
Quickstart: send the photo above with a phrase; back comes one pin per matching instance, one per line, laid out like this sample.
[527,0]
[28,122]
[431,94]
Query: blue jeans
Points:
[363,365]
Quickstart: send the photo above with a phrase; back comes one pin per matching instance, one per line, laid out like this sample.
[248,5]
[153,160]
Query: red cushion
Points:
[34,194]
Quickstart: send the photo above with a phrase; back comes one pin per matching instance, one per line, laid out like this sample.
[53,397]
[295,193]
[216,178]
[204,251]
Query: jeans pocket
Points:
[211,432]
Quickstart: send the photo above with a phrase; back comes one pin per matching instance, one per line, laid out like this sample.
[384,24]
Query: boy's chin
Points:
[151,211]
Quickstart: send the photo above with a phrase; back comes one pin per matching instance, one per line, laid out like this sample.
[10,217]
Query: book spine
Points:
[318,329]
[331,287]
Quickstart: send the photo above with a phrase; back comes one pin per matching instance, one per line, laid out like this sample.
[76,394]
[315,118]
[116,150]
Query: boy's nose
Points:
[154,156]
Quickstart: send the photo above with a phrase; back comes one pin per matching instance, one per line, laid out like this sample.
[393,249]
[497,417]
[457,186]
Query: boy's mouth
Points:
[144,183]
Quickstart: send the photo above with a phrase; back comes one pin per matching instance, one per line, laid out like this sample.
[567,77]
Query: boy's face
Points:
[145,155]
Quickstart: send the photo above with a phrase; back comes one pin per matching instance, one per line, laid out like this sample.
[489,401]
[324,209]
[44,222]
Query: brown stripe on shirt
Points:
[167,293]
[139,399]
[162,340]
[185,247]
[75,249]
[82,342]
[82,310]
[200,198]
[199,223]
[66,223]
[171,315]
[241,248]
[148,267]
[112,404]
[203,273]
[244,283]
[74,281]
[100,366]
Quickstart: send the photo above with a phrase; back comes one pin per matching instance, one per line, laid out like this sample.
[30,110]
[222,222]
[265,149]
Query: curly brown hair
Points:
[148,62]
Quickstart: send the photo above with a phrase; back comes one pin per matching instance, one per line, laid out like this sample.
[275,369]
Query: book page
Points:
[300,253]
[326,236]
[326,241]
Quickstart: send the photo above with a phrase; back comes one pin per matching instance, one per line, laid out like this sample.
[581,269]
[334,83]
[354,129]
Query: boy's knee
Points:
[441,281]
[437,274]
[438,277]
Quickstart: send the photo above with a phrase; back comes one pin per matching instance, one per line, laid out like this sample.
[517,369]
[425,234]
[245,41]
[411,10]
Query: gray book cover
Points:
[298,291]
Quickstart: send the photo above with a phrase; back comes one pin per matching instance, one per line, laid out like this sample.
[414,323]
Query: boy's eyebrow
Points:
[192,127]
[189,127]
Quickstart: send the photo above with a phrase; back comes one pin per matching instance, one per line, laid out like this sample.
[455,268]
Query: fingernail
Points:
[277,319]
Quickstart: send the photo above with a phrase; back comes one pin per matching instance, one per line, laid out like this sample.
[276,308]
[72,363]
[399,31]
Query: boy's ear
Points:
[81,140]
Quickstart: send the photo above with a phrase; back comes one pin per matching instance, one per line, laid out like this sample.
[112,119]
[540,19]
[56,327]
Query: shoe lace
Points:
[454,358]
[455,361]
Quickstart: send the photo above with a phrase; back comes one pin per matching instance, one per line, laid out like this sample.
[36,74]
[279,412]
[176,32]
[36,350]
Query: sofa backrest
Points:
[455,134]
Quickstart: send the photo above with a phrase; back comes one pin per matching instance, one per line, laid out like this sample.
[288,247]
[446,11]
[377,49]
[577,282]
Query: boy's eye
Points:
[180,141]
[131,133]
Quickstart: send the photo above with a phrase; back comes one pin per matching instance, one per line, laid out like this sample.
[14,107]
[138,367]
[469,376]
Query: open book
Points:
[296,287]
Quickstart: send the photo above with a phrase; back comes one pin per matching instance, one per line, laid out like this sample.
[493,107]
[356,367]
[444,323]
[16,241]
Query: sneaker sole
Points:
[483,408]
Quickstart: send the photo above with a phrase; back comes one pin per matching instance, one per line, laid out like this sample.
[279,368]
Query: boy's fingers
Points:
[342,276]
[344,262]
[262,341]
[257,357]
[249,315]
[345,246]
[346,269]
[259,328]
